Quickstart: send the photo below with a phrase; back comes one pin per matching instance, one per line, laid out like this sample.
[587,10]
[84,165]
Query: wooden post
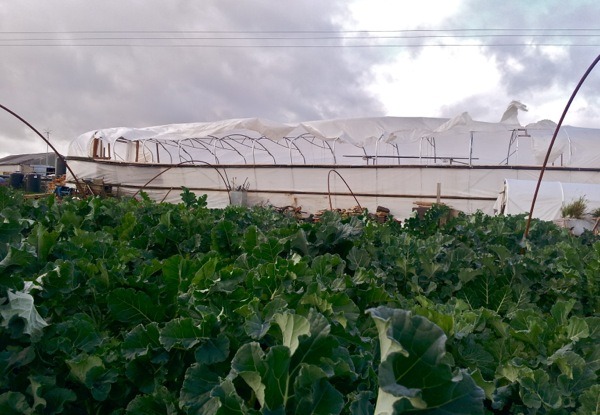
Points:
[95,149]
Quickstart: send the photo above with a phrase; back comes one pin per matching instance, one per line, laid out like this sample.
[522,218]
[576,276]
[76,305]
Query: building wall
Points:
[9,168]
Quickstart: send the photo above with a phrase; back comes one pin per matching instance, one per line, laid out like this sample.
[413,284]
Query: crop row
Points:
[113,306]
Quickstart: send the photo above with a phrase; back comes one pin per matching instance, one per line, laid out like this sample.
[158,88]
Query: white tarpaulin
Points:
[517,195]
[380,140]
[392,161]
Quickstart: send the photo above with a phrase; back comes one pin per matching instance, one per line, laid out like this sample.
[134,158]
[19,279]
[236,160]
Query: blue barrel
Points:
[33,183]
[15,180]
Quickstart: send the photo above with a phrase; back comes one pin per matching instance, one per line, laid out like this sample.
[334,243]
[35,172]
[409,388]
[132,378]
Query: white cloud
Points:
[422,86]
[419,81]
[444,81]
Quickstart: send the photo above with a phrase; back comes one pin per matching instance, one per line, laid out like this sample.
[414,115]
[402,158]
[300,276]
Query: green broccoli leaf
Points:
[413,376]
[133,307]
[21,304]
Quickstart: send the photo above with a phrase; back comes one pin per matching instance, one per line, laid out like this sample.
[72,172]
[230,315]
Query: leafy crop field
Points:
[133,307]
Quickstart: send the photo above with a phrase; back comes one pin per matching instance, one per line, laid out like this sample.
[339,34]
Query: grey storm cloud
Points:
[86,84]
[74,89]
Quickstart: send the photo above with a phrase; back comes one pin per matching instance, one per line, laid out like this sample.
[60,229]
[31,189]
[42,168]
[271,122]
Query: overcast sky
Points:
[69,66]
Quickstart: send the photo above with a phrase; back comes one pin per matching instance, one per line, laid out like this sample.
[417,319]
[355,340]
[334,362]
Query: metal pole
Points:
[471,150]
[48,137]
[79,185]
[537,187]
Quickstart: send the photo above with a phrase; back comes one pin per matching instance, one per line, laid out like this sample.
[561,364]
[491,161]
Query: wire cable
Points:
[479,37]
[239,46]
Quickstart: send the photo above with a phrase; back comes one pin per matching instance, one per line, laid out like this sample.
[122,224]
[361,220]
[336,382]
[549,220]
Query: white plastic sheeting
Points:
[356,141]
[395,187]
[389,161]
[384,140]
[258,141]
[517,196]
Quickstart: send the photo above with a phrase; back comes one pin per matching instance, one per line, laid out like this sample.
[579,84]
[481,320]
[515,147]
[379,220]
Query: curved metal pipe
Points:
[537,187]
[329,189]
[227,187]
[79,186]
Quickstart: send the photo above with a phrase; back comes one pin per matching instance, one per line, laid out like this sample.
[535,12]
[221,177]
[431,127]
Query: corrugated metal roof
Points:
[37,158]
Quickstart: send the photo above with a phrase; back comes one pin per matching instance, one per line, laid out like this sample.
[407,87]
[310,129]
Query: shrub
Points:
[575,209]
